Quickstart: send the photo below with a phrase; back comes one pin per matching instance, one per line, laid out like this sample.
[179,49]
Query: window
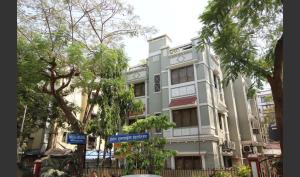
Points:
[181,75]
[156,83]
[220,88]
[185,117]
[156,129]
[255,131]
[188,162]
[139,89]
[227,161]
[220,121]
[64,137]
[91,142]
[215,81]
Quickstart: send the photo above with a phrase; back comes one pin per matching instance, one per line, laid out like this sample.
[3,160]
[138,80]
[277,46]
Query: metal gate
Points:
[270,167]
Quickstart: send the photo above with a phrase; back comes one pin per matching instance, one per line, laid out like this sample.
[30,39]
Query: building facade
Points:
[244,120]
[185,84]
[216,126]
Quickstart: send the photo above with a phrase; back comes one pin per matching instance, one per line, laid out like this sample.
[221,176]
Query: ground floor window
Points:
[227,161]
[188,162]
[91,142]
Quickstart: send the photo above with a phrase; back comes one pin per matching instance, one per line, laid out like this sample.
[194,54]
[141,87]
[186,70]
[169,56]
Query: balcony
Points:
[228,146]
[185,131]
[184,89]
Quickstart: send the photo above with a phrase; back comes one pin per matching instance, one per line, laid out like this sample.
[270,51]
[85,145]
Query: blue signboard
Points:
[76,138]
[128,137]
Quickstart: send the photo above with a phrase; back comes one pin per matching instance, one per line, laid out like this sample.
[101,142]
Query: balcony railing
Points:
[180,49]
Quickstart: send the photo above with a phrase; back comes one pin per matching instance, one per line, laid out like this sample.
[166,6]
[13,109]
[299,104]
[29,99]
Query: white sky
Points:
[176,18]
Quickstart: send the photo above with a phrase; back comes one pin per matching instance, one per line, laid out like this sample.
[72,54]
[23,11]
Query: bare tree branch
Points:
[47,24]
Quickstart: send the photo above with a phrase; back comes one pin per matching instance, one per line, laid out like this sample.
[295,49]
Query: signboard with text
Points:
[128,137]
[76,138]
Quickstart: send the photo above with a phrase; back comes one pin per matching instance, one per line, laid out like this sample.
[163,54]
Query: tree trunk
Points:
[104,153]
[75,124]
[99,150]
[277,93]
[276,83]
[81,159]
[52,136]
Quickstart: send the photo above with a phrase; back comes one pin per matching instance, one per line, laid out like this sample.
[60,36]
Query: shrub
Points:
[243,171]
[222,174]
[54,173]
[27,173]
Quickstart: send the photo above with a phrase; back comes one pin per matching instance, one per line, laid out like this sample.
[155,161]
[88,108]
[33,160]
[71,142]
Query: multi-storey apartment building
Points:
[266,109]
[243,119]
[185,84]
[265,102]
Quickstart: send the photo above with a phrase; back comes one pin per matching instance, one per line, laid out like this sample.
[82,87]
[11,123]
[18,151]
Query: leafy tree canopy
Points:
[243,33]
[149,154]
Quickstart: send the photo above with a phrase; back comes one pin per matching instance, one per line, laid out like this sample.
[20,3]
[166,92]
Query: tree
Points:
[149,154]
[73,41]
[247,36]
[37,112]
[112,112]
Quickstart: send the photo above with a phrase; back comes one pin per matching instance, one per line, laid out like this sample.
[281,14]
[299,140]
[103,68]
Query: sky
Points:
[176,18]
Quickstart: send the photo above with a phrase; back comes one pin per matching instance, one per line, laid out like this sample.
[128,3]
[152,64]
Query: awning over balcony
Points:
[183,101]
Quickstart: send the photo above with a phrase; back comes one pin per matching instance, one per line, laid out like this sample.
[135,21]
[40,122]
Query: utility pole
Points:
[21,132]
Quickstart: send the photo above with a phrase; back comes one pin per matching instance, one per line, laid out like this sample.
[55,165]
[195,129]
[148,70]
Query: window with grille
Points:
[181,75]
[156,83]
[220,121]
[139,89]
[185,117]
[188,162]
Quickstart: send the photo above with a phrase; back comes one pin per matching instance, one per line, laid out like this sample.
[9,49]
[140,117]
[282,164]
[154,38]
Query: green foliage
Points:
[222,174]
[27,173]
[243,34]
[28,94]
[251,92]
[54,173]
[62,166]
[149,154]
[67,46]
[243,171]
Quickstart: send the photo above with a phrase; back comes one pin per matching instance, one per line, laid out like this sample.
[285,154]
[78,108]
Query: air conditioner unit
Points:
[247,148]
[228,145]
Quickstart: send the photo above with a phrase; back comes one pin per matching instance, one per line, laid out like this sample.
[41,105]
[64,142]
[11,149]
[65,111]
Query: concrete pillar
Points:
[203,162]
[226,127]
[172,162]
